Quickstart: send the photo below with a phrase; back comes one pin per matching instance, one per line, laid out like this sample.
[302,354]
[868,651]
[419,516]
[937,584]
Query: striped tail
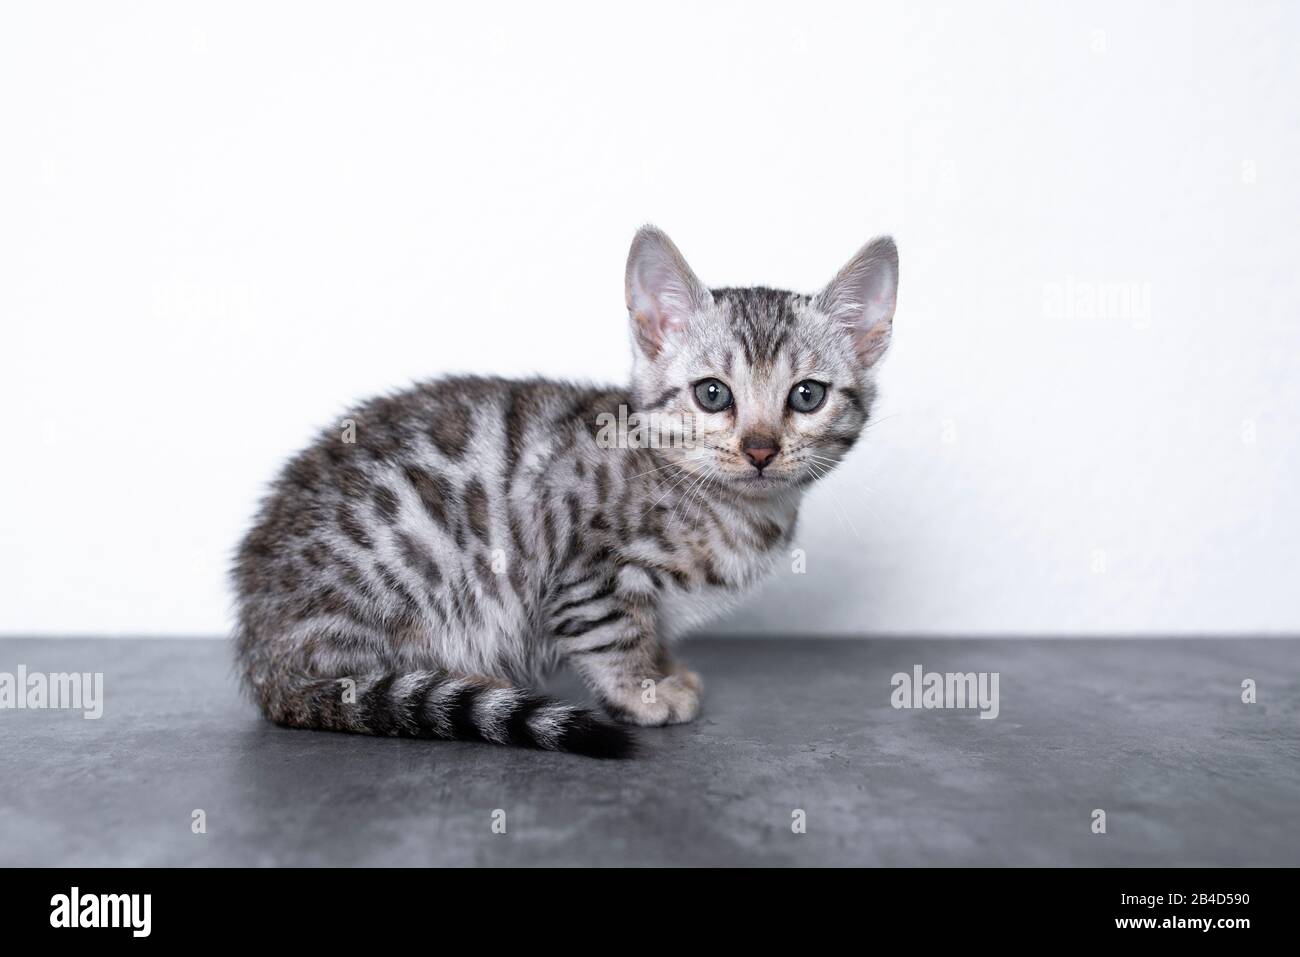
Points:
[435,704]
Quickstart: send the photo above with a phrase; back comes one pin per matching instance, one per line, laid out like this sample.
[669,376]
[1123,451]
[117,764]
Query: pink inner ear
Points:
[872,340]
[662,291]
[669,322]
[658,309]
[878,307]
[653,323]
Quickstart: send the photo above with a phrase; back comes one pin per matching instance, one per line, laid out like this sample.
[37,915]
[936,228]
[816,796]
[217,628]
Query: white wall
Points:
[219,224]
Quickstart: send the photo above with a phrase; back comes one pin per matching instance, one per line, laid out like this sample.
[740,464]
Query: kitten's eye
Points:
[712,395]
[807,396]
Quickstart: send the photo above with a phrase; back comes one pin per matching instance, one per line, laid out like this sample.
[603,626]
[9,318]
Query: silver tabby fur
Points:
[477,532]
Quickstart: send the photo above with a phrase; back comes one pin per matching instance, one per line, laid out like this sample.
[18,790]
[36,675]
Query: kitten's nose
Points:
[759,449]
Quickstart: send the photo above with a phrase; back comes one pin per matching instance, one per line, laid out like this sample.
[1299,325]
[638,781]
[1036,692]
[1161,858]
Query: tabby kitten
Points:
[425,561]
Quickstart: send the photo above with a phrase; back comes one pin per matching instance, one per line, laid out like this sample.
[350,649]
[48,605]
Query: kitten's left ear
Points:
[662,292]
[862,297]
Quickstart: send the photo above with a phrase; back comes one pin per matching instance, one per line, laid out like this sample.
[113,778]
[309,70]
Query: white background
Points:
[220,224]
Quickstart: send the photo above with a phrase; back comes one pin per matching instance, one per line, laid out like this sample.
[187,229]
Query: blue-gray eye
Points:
[713,395]
[807,396]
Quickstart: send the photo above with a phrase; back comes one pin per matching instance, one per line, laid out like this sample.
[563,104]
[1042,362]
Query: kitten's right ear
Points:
[662,292]
[862,296]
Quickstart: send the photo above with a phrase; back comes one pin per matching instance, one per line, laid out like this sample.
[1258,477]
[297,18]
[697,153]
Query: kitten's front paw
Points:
[670,700]
[689,678]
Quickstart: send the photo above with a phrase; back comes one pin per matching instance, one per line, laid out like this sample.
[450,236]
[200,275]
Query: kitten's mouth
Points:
[757,479]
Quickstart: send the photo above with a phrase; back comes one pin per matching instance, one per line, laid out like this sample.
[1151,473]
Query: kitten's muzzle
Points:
[760,450]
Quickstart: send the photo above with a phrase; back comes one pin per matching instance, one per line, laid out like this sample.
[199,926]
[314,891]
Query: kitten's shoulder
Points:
[487,389]
[455,414]
[535,399]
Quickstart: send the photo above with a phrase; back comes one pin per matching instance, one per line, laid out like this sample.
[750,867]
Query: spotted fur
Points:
[432,555]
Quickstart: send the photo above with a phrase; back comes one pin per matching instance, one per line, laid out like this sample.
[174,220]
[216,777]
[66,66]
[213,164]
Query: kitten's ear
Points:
[862,297]
[662,292]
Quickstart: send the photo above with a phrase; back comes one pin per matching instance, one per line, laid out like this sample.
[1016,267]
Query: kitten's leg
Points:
[636,692]
[610,639]
[672,667]
[632,689]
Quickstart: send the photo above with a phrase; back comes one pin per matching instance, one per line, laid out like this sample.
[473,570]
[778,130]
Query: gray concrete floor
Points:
[1152,731]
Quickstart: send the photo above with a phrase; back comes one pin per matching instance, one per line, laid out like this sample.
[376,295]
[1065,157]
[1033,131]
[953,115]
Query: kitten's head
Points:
[774,386]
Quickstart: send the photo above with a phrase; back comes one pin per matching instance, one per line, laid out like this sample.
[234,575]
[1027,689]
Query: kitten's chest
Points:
[685,608]
[727,569]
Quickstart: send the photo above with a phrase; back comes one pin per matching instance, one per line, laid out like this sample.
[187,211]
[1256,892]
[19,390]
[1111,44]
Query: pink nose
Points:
[759,451]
